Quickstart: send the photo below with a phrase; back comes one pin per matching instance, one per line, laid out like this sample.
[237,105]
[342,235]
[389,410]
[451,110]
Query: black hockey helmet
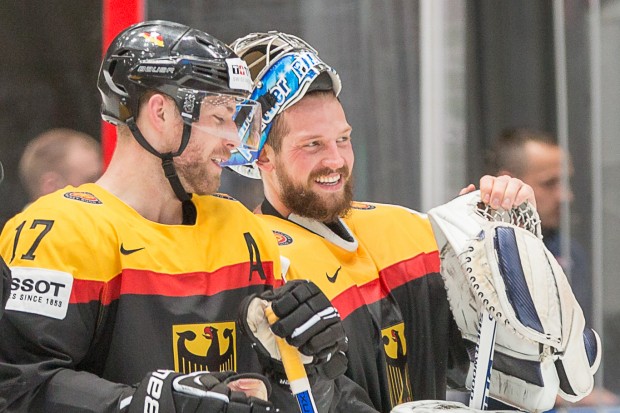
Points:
[165,56]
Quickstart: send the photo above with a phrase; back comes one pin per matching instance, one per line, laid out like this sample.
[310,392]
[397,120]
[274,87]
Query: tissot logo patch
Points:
[83,197]
[283,239]
[204,347]
[395,347]
[361,205]
[40,291]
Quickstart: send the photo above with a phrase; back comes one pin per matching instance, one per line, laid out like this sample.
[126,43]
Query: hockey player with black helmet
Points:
[125,291]
[192,69]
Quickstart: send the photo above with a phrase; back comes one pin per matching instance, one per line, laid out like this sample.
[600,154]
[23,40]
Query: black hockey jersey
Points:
[380,268]
[100,296]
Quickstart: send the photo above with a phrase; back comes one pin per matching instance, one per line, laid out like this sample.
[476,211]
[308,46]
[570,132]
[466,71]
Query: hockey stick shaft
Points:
[295,371]
[483,362]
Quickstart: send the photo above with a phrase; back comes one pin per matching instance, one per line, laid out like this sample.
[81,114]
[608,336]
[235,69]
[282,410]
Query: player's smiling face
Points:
[315,162]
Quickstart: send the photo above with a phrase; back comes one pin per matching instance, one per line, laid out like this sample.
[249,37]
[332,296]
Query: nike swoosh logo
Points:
[127,252]
[332,279]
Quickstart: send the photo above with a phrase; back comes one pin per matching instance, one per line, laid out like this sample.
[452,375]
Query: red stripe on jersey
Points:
[391,277]
[354,297]
[84,291]
[402,272]
[348,301]
[144,282]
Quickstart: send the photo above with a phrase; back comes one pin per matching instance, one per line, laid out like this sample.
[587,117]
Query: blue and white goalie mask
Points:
[284,68]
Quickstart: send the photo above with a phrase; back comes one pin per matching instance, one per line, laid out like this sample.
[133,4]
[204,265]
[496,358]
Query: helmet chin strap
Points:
[166,158]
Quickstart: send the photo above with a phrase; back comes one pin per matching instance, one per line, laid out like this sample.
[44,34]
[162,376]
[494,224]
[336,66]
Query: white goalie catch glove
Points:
[496,260]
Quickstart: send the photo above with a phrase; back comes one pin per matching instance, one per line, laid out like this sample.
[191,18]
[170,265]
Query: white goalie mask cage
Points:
[283,68]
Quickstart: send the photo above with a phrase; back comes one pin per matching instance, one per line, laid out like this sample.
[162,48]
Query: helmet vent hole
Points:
[216,50]
[112,67]
[206,70]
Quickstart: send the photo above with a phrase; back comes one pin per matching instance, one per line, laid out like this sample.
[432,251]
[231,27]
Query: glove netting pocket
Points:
[523,216]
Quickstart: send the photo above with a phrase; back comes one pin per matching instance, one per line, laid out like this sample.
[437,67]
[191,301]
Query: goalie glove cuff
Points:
[574,385]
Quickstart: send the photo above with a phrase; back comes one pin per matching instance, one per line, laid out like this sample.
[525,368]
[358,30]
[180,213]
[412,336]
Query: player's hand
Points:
[307,320]
[217,392]
[250,387]
[503,191]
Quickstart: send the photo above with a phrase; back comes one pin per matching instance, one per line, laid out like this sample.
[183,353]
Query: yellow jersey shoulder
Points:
[60,231]
[362,212]
[396,226]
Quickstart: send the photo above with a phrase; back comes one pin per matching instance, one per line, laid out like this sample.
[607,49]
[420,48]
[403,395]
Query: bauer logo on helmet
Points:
[155,69]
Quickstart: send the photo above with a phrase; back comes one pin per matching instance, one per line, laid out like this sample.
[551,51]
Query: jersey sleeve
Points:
[50,324]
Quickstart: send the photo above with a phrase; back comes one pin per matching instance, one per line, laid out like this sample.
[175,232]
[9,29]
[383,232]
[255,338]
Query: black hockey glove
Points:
[5,285]
[171,392]
[307,320]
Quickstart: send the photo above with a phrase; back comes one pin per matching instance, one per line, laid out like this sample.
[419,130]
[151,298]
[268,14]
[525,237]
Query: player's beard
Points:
[302,200]
[200,178]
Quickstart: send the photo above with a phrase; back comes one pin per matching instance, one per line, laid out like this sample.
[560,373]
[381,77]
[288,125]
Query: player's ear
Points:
[51,181]
[156,110]
[266,159]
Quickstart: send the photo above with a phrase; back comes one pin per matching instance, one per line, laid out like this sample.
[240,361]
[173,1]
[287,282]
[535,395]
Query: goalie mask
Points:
[284,68]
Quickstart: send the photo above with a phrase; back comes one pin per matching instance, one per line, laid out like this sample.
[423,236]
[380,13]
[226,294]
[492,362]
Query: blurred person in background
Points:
[536,158]
[57,158]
